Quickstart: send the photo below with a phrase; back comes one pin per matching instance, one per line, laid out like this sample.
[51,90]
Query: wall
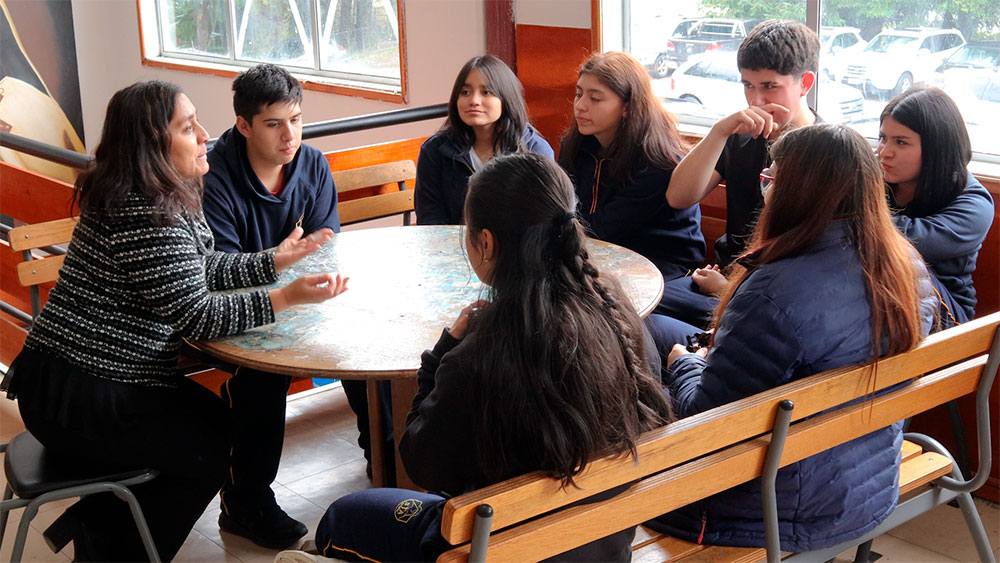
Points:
[553,38]
[107,44]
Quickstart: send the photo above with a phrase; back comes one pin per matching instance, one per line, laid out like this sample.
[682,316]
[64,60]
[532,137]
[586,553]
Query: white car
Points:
[838,45]
[896,59]
[714,80]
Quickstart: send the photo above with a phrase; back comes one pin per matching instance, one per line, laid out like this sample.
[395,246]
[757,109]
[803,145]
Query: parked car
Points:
[896,59]
[838,46]
[700,36]
[714,80]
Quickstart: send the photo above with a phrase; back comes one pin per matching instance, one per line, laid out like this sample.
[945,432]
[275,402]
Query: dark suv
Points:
[692,37]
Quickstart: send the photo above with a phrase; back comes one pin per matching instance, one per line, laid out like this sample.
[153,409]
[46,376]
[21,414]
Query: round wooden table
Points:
[407,284]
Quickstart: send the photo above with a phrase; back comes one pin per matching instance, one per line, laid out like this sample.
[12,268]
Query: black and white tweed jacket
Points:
[129,291]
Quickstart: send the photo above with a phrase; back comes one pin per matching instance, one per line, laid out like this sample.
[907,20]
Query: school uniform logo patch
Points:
[408,509]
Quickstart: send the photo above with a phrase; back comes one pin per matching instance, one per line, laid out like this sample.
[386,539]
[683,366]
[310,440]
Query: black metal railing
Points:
[309,131]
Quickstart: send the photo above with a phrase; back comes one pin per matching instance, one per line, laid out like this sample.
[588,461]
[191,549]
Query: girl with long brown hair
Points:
[828,282]
[620,152]
[550,372]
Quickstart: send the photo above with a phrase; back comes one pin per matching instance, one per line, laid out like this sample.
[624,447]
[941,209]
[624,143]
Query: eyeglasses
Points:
[766,180]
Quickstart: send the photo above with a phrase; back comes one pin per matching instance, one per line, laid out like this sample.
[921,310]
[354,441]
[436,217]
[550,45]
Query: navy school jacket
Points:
[634,212]
[949,241]
[443,170]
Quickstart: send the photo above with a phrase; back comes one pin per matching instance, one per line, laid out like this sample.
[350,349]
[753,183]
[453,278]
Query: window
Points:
[869,53]
[347,43]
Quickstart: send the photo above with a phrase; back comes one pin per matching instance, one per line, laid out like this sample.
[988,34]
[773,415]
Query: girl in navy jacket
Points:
[549,373]
[620,152]
[939,206]
[830,282]
[486,117]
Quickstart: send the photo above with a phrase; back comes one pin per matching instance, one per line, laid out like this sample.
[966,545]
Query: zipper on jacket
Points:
[597,182]
[704,524]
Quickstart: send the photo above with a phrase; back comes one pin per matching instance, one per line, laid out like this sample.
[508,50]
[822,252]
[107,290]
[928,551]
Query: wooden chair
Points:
[379,205]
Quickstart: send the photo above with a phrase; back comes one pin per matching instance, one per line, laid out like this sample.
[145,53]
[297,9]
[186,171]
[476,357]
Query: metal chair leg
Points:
[126,495]
[8,494]
[975,525]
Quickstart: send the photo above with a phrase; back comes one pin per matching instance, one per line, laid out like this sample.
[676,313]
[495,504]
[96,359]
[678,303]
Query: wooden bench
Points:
[377,205]
[40,268]
[529,518]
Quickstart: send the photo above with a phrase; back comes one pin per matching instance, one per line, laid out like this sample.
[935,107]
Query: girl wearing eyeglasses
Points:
[938,205]
[829,282]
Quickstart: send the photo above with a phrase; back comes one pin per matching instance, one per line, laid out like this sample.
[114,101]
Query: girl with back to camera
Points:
[551,372]
[938,205]
[96,381]
[486,118]
[828,282]
[620,152]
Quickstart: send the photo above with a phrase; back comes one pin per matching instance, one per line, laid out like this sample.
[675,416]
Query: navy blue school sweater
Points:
[246,217]
[633,212]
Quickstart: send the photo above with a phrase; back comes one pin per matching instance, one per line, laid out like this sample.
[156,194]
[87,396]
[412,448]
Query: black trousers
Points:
[256,401]
[182,431]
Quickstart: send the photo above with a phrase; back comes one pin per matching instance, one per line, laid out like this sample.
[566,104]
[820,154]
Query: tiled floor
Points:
[321,462]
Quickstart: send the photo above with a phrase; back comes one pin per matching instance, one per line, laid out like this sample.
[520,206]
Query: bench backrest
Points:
[38,268]
[718,449]
[380,204]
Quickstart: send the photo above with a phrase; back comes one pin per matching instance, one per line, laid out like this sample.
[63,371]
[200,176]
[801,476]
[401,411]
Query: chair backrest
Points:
[715,450]
[381,204]
[37,268]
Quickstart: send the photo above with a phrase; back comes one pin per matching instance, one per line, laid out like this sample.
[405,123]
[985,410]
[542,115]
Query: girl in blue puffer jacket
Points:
[829,282]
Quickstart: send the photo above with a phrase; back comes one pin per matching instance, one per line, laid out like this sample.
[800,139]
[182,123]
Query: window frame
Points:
[151,53]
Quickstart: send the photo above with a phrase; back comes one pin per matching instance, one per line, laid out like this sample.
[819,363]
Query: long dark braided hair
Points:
[560,353]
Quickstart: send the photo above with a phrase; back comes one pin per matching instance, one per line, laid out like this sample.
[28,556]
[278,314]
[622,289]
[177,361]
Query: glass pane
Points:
[274,31]
[194,26]
[902,45]
[672,38]
[359,37]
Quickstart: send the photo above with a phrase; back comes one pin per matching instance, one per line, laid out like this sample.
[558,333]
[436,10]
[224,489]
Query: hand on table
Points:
[297,247]
[679,350]
[710,280]
[461,324]
[308,289]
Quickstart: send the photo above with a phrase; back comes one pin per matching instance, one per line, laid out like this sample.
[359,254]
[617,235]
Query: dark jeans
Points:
[683,301]
[182,432]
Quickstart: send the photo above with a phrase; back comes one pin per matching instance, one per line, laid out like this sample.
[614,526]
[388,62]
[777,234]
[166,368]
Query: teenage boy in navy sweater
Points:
[263,186]
[778,61]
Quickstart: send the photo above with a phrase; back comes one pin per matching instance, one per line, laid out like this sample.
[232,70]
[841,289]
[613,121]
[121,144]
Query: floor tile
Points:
[311,449]
[198,548]
[943,530]
[34,548]
[324,488]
